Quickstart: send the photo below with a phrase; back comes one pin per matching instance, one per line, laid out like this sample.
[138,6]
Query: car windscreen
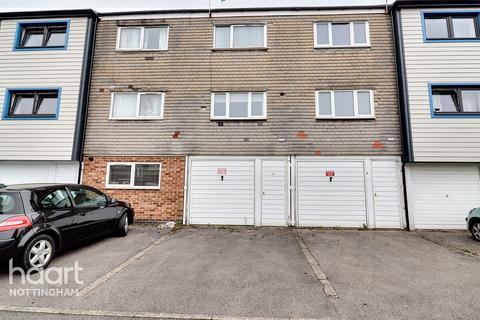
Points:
[11,203]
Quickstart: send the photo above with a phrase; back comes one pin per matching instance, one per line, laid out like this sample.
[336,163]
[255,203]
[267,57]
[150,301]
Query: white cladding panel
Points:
[230,201]
[386,194]
[339,202]
[434,139]
[41,139]
[274,193]
[15,172]
[440,196]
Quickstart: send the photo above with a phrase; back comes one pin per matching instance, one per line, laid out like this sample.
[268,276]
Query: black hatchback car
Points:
[38,220]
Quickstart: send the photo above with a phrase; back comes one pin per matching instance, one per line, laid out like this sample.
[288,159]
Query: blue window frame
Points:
[31,104]
[454,100]
[41,35]
[451,26]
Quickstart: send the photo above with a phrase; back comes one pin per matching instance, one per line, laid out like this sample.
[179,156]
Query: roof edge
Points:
[216,10]
[434,3]
[49,14]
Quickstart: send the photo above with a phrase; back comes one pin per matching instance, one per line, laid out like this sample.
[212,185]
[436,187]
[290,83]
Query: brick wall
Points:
[161,204]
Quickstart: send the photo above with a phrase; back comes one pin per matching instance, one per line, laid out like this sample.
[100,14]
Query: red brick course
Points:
[164,204]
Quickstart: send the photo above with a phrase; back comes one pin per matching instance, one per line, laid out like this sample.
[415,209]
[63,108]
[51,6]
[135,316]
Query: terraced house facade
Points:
[253,117]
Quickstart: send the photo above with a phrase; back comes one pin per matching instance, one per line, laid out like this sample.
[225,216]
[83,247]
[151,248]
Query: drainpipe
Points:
[403,102]
[80,123]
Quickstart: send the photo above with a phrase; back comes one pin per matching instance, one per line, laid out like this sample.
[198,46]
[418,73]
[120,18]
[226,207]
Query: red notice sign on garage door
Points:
[330,173]
[222,171]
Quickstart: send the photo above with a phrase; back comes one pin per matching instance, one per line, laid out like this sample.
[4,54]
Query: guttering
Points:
[48,14]
[434,3]
[84,91]
[216,10]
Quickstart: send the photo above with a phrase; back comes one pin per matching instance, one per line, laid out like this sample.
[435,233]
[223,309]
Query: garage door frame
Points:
[258,161]
[410,188]
[368,184]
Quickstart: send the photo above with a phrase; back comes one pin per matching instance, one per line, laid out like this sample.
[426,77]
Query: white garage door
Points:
[274,193]
[327,200]
[15,172]
[222,192]
[440,197]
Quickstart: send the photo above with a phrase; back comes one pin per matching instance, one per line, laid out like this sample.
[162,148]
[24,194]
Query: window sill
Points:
[39,49]
[343,47]
[240,49]
[141,50]
[456,115]
[345,118]
[136,119]
[239,119]
[29,118]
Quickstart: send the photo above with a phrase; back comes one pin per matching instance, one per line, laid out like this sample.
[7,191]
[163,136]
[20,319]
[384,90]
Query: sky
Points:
[129,5]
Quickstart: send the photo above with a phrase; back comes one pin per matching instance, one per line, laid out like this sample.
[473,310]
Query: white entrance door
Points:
[440,196]
[331,193]
[387,194]
[274,193]
[222,192]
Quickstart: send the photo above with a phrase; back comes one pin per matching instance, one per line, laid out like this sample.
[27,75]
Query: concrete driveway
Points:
[216,273]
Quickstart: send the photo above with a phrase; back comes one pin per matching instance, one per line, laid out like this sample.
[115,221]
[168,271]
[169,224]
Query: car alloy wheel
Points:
[40,254]
[476,230]
[126,224]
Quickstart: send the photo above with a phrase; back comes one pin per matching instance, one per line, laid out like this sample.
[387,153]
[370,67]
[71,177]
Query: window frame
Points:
[355,105]
[7,105]
[137,112]
[458,88]
[142,38]
[132,185]
[450,15]
[45,23]
[227,106]
[352,35]
[232,26]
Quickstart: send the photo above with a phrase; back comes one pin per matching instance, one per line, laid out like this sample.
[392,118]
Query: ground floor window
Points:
[133,175]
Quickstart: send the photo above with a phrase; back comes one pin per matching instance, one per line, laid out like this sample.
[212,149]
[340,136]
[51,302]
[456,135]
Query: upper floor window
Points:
[341,34]
[239,105]
[31,104]
[240,36]
[458,26]
[143,38]
[456,100]
[50,35]
[137,105]
[344,104]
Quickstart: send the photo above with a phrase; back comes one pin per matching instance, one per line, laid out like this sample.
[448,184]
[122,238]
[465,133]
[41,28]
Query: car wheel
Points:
[475,229]
[39,252]
[123,226]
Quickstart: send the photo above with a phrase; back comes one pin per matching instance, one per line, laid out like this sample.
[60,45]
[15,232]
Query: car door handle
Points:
[83,214]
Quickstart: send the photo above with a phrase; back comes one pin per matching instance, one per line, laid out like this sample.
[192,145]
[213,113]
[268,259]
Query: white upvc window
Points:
[239,105]
[344,104]
[128,175]
[341,34]
[240,36]
[137,105]
[154,38]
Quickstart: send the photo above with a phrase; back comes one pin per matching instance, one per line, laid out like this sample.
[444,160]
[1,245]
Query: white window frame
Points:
[355,105]
[352,35]
[264,25]
[132,176]
[227,110]
[137,112]
[142,38]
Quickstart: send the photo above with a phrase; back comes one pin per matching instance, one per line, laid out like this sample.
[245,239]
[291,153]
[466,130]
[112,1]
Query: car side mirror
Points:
[112,201]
